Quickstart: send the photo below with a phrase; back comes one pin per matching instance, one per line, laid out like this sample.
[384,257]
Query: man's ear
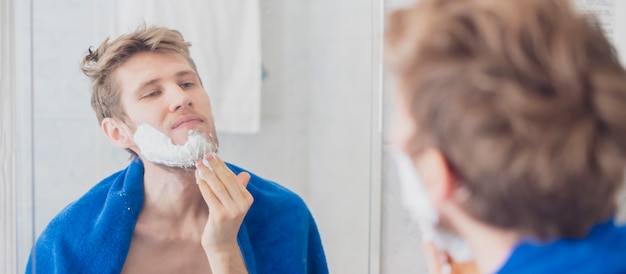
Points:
[438,178]
[117,132]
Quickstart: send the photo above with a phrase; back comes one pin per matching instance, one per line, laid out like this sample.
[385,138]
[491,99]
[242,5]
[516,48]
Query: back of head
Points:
[527,101]
[100,64]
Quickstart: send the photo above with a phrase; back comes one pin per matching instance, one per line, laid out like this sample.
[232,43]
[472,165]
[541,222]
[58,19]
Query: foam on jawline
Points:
[157,147]
[415,198]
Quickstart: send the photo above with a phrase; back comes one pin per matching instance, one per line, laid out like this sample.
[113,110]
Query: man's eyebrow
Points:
[185,73]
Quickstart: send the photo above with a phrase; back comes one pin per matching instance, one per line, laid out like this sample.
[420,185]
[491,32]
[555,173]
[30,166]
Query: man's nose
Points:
[179,98]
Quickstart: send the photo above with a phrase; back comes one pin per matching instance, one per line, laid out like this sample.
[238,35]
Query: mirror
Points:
[319,132]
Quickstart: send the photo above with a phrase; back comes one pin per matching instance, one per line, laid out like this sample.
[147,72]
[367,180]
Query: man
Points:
[177,207]
[512,126]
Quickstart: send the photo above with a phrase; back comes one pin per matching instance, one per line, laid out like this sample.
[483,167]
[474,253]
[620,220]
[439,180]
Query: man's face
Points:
[162,90]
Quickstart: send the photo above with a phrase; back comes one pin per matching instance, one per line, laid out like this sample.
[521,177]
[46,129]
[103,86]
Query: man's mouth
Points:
[186,120]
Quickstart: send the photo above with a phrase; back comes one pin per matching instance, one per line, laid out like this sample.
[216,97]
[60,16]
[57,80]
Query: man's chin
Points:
[176,168]
[181,138]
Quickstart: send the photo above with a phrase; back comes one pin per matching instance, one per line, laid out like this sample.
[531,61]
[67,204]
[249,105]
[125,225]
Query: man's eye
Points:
[151,94]
[186,85]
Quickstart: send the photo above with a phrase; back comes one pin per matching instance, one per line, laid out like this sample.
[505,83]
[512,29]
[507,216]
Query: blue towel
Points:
[602,251]
[93,234]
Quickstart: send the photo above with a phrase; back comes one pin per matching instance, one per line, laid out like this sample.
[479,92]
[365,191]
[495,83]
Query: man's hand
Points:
[441,263]
[228,200]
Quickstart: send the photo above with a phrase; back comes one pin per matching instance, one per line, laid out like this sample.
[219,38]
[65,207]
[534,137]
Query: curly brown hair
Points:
[526,99]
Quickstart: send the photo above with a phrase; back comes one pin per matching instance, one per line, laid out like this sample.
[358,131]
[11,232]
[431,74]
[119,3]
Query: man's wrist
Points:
[221,250]
[226,259]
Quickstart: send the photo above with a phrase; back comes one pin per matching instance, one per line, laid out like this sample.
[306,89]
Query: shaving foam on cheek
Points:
[418,203]
[158,148]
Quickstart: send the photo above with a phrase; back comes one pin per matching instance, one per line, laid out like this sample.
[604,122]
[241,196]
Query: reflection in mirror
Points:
[318,132]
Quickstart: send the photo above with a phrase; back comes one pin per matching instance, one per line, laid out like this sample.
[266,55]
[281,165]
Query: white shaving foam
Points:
[156,147]
[416,200]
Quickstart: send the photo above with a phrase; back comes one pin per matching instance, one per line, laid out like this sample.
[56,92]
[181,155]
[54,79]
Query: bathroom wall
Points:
[7,140]
[316,123]
[316,120]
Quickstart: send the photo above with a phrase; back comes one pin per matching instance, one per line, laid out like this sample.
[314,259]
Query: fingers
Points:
[229,189]
[225,174]
[433,259]
[209,197]
[244,178]
[218,193]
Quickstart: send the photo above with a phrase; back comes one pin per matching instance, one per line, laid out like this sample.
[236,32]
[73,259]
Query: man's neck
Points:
[172,199]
